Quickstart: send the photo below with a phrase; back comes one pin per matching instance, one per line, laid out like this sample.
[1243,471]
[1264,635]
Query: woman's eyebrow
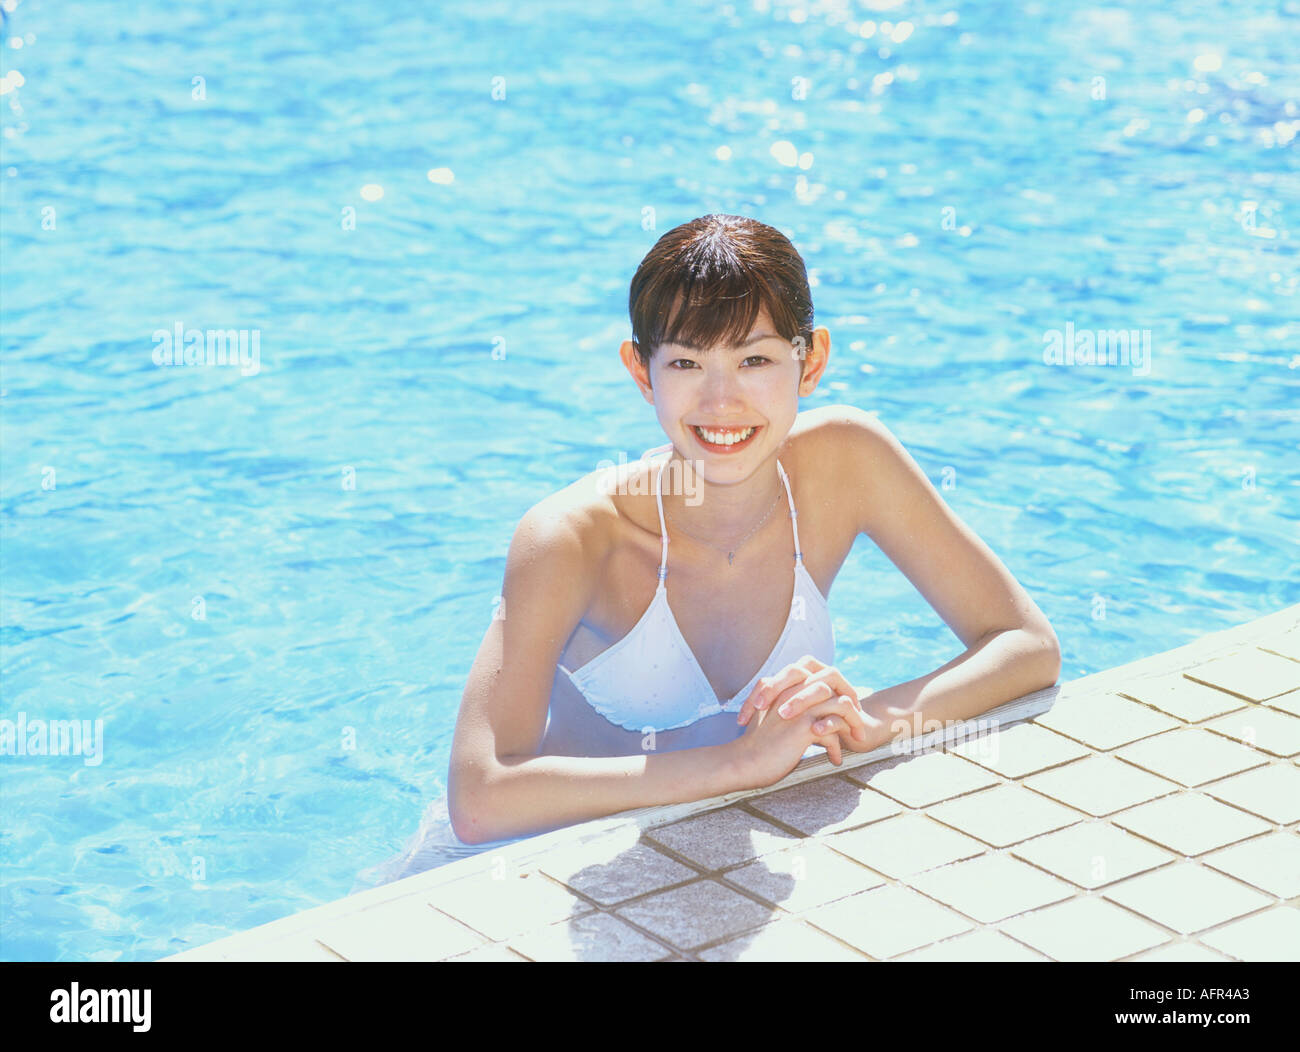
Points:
[699,350]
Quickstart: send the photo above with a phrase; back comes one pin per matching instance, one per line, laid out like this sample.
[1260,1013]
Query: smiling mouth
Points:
[724,439]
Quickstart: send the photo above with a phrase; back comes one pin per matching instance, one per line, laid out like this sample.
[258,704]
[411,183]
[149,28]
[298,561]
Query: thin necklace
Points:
[731,553]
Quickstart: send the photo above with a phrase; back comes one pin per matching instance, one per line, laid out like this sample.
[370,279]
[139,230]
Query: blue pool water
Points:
[270,586]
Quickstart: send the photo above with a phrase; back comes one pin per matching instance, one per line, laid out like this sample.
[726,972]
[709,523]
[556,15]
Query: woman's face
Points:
[729,407]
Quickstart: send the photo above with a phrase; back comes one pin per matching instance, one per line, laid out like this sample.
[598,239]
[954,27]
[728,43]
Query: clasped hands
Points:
[812,693]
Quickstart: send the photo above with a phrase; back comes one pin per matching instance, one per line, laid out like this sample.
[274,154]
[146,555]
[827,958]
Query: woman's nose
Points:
[721,387]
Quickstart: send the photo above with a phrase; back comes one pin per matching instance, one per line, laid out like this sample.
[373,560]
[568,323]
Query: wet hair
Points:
[704,282]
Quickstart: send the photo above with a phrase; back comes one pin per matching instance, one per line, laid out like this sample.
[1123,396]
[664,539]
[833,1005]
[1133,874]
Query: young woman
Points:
[664,634]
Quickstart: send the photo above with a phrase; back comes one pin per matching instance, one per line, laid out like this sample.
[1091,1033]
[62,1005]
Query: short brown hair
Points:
[720,269]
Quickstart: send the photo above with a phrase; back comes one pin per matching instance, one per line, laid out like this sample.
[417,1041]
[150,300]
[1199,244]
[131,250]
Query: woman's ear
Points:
[814,360]
[640,373]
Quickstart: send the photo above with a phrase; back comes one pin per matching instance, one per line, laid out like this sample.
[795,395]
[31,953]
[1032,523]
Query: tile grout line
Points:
[1178,665]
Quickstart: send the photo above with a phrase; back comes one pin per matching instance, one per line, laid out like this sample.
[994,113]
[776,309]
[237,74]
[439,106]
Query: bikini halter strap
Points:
[663,529]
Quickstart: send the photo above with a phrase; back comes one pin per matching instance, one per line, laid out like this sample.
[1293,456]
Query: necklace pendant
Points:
[730,556]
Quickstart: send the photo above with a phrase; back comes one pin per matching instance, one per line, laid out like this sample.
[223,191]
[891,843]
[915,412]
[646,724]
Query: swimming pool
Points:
[270,583]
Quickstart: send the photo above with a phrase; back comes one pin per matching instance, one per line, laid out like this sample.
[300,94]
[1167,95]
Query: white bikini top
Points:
[651,680]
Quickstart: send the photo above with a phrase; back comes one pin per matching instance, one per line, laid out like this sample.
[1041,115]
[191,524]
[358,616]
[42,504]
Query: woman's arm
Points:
[498,784]
[520,796]
[1011,649]
[998,668]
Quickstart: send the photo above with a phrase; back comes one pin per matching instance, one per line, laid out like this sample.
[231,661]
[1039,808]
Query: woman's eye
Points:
[684,363]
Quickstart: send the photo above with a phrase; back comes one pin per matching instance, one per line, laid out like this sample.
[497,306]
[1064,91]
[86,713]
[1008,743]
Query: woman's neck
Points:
[714,512]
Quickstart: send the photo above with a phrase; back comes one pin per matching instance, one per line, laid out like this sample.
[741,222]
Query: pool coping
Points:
[291,937]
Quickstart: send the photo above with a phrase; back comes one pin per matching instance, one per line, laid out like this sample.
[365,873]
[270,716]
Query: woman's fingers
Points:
[769,688]
[828,727]
[800,700]
[756,702]
[805,696]
[831,690]
[857,720]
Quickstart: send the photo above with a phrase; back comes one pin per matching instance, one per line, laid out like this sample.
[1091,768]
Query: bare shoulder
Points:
[570,529]
[849,453]
[828,423]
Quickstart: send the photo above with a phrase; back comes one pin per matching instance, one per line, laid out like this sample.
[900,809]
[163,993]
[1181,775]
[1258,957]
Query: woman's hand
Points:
[772,747]
[810,684]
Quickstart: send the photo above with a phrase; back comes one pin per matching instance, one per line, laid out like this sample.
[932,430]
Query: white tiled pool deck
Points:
[1148,812]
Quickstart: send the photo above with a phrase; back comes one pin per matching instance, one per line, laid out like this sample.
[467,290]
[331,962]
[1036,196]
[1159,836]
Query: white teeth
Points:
[725,438]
